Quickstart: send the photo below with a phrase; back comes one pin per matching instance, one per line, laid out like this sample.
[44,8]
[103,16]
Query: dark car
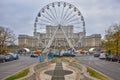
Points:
[119,59]
[56,55]
[2,58]
[9,57]
[96,54]
[68,55]
[112,58]
[115,58]
[109,57]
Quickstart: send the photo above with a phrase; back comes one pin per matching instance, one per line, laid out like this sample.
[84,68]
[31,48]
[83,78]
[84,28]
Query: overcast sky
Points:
[19,15]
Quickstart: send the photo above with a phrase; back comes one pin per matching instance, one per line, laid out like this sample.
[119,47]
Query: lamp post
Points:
[59,48]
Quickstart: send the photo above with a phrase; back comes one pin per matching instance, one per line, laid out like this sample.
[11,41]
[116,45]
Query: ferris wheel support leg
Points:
[50,42]
[70,44]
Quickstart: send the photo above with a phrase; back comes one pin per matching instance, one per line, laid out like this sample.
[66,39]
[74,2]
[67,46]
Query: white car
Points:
[102,56]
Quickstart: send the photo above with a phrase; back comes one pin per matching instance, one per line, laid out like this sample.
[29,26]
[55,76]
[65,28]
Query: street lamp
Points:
[59,48]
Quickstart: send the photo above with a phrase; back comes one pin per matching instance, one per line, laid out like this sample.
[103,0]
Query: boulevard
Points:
[111,69]
[9,68]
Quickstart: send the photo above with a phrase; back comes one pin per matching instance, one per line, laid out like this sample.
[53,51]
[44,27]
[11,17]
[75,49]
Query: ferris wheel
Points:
[59,14]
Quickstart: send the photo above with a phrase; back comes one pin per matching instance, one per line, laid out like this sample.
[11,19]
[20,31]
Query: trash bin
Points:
[41,58]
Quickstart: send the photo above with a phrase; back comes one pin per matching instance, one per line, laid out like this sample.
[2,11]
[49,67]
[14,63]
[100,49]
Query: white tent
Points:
[91,49]
[26,49]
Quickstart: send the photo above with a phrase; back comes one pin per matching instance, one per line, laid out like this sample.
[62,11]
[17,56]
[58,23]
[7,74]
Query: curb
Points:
[101,73]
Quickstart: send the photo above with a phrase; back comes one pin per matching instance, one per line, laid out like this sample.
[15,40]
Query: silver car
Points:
[102,56]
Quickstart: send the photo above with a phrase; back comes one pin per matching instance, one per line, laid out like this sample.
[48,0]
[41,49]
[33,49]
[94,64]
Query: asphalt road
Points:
[111,69]
[11,67]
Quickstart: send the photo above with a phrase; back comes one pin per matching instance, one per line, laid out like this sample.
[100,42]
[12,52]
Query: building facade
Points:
[93,40]
[63,38]
[27,41]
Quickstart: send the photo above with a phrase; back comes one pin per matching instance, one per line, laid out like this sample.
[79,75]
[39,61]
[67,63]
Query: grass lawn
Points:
[96,74]
[19,74]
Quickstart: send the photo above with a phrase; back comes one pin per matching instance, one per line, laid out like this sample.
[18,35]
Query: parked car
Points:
[119,59]
[96,54]
[2,58]
[112,58]
[56,55]
[15,56]
[115,58]
[50,55]
[9,57]
[102,56]
[109,57]
[68,54]
[33,54]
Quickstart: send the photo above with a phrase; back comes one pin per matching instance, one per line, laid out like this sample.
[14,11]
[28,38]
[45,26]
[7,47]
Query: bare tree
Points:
[7,37]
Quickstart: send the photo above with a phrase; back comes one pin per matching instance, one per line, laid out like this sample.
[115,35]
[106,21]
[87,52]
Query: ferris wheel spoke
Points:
[70,18]
[59,13]
[62,13]
[47,18]
[70,13]
[50,16]
[75,23]
[43,21]
[53,15]
[65,14]
[47,21]
[56,13]
[73,20]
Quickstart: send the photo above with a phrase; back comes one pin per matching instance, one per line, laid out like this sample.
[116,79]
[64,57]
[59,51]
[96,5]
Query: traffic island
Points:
[59,71]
